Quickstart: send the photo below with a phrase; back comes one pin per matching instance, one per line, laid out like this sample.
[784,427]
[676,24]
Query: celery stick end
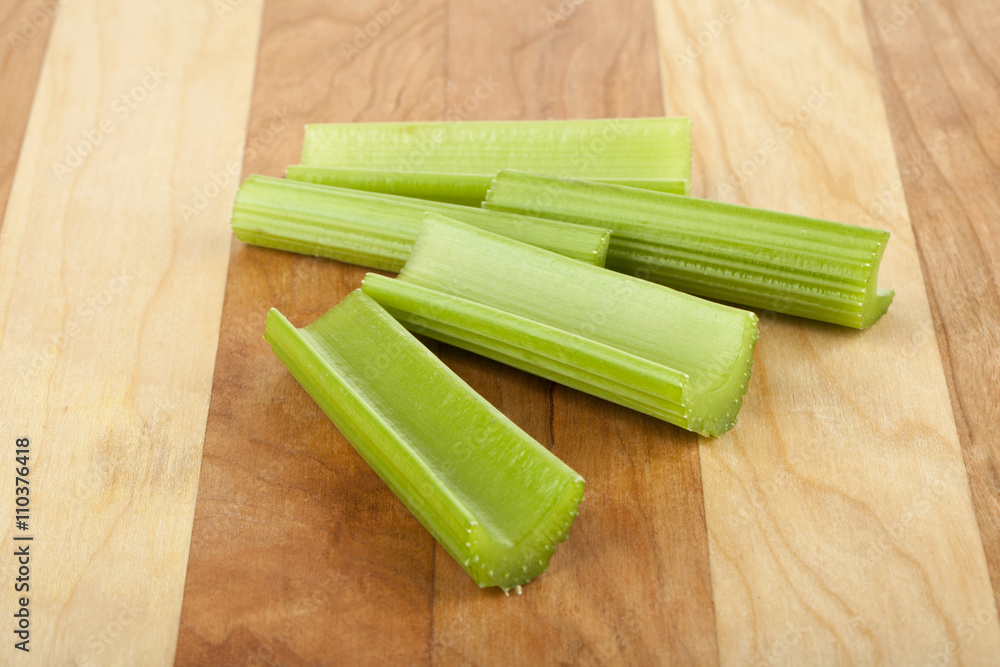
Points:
[495,547]
[511,566]
[274,324]
[600,257]
[877,299]
[876,307]
[716,413]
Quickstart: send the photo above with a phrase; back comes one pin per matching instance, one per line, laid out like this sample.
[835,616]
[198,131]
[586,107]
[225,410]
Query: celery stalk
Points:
[787,263]
[378,230]
[495,499]
[671,355]
[464,189]
[636,151]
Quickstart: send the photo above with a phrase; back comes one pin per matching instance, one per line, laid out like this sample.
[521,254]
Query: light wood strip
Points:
[839,518]
[940,72]
[111,282]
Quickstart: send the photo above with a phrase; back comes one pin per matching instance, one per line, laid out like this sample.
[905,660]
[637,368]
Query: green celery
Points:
[671,355]
[651,152]
[377,230]
[495,499]
[464,189]
[787,263]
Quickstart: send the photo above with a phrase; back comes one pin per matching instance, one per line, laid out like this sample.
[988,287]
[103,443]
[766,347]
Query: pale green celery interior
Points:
[704,340]
[495,499]
[464,189]
[877,300]
[716,412]
[671,185]
[794,264]
[877,307]
[378,229]
[449,187]
[658,148]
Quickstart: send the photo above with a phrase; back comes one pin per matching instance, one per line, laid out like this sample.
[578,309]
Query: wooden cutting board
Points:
[191,503]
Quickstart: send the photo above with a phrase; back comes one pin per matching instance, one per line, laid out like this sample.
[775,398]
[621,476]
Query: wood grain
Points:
[632,583]
[111,293]
[840,530]
[940,73]
[300,554]
[277,474]
[839,518]
[25,26]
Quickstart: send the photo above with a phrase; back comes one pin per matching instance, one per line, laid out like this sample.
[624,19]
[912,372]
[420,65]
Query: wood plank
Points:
[25,25]
[839,518]
[111,293]
[632,583]
[940,73]
[357,550]
[300,554]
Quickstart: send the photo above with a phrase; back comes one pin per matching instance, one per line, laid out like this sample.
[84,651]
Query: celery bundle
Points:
[787,263]
[495,499]
[378,230]
[509,265]
[645,346]
[455,162]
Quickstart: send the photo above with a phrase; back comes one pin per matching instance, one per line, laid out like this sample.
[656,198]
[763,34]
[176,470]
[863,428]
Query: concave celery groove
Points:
[378,230]
[788,263]
[455,161]
[449,187]
[671,355]
[495,499]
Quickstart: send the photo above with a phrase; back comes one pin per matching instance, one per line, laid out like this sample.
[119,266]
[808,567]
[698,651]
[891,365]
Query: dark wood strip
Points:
[24,27]
[632,583]
[300,554]
[939,68]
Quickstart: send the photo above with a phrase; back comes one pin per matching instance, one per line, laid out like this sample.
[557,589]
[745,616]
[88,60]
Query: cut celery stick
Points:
[464,189]
[787,263]
[671,355]
[495,499]
[378,230]
[613,149]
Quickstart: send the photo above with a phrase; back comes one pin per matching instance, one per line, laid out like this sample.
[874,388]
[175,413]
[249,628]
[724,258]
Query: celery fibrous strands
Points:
[668,354]
[788,263]
[378,230]
[493,497]
[455,160]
